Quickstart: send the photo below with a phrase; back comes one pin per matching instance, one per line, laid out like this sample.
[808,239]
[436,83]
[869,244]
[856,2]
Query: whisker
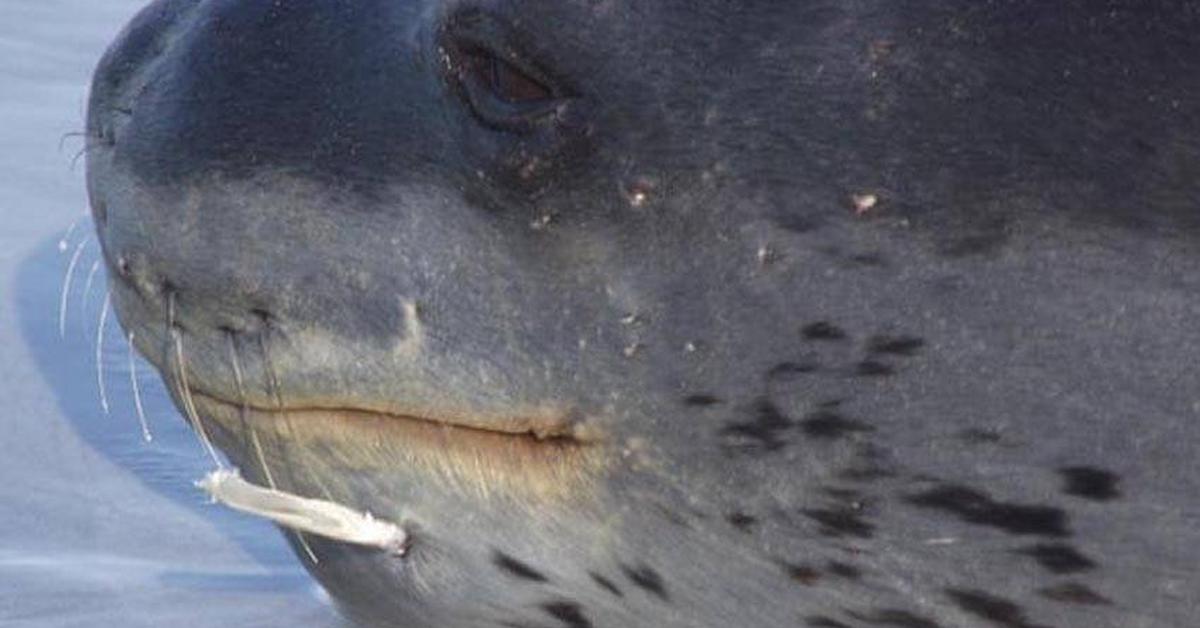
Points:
[66,288]
[137,392]
[242,410]
[277,397]
[87,287]
[100,352]
[181,380]
[64,241]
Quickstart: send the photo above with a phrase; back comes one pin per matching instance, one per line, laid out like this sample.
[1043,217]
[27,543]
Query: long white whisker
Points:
[241,390]
[277,395]
[189,404]
[181,381]
[64,241]
[100,352]
[137,392]
[87,287]
[66,288]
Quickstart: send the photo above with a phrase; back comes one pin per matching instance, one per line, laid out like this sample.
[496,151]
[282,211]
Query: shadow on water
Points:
[174,458]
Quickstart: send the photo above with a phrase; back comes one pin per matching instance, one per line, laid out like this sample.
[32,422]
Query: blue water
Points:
[97,526]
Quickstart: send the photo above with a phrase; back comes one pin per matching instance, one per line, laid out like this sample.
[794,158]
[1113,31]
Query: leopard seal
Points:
[684,313]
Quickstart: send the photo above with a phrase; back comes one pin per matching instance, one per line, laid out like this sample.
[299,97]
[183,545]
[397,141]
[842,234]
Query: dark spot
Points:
[868,259]
[516,568]
[978,508]
[829,425]
[742,521]
[978,436]
[843,570]
[647,579]
[844,495]
[1074,593]
[977,244]
[1059,558]
[841,522]
[784,370]
[821,621]
[765,428]
[822,330]
[873,368]
[569,613]
[896,345]
[795,224]
[804,574]
[1090,483]
[701,400]
[896,617]
[996,610]
[606,584]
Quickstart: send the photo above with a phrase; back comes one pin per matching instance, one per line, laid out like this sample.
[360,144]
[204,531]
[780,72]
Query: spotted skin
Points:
[683,313]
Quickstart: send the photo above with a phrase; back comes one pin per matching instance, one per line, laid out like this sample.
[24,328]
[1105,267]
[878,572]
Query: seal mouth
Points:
[513,459]
[537,425]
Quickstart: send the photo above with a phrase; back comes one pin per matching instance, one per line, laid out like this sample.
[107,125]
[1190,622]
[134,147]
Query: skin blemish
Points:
[826,424]
[568,612]
[996,610]
[516,568]
[742,521]
[1090,483]
[906,346]
[647,579]
[977,508]
[1059,558]
[806,575]
[605,583]
[1074,593]
[822,330]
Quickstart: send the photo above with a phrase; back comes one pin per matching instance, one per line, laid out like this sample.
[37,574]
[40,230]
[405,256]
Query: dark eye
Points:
[503,87]
[502,79]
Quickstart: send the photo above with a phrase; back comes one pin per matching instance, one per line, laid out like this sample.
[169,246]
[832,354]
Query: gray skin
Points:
[591,297]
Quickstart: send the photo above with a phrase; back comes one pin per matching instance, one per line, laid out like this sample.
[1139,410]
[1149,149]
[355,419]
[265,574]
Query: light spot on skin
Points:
[863,203]
[413,337]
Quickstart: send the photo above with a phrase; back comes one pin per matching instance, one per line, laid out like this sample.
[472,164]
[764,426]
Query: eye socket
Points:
[503,79]
[505,90]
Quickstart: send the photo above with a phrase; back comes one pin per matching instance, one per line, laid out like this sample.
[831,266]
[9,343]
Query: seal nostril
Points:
[123,266]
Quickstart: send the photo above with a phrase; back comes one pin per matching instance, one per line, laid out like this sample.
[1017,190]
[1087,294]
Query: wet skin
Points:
[683,313]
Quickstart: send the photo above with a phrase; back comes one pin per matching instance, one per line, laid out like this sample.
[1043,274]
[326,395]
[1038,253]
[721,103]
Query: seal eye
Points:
[504,88]
[504,80]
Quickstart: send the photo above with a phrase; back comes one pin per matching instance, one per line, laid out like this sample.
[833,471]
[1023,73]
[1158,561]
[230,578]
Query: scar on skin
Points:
[302,514]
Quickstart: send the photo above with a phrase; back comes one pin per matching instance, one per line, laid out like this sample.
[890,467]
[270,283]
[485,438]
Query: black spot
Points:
[868,259]
[821,621]
[785,370]
[841,522]
[795,224]
[606,584]
[978,508]
[873,368]
[996,610]
[516,568]
[804,574]
[896,345]
[822,330]
[1074,593]
[1090,483]
[701,400]
[1059,558]
[829,425]
[647,579]
[897,618]
[742,521]
[978,436]
[569,613]
[843,570]
[765,428]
